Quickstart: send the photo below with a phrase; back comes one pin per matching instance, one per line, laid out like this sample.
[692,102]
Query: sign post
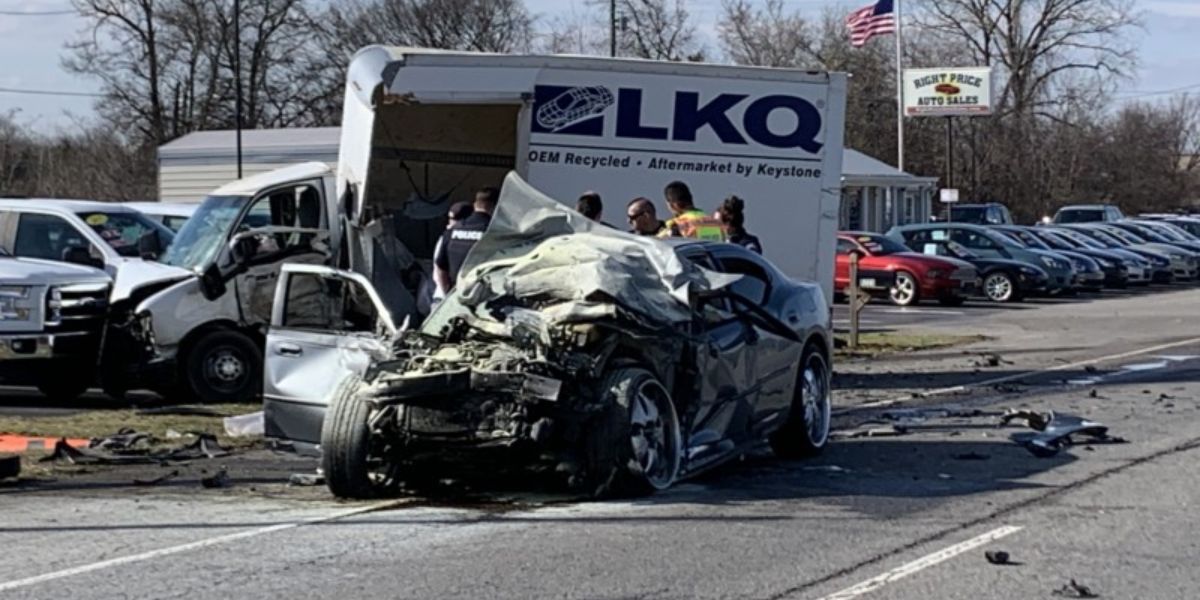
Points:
[948,196]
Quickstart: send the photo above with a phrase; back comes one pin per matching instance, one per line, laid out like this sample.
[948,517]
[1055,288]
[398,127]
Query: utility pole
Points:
[237,76]
[612,28]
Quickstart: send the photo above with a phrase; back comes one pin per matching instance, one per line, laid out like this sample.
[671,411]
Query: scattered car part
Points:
[1074,589]
[306,479]
[157,480]
[1055,431]
[220,479]
[997,557]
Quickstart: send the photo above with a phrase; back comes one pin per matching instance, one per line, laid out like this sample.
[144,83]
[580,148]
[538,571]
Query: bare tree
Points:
[1034,42]
[479,25]
[657,30]
[766,36]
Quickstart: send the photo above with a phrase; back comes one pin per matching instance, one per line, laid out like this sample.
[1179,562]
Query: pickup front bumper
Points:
[35,346]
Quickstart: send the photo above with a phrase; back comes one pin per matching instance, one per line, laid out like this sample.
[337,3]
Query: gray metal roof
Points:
[858,169]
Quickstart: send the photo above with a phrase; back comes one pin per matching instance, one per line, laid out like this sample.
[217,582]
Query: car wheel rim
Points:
[902,292]
[383,455]
[654,435]
[815,394]
[226,369]
[998,287]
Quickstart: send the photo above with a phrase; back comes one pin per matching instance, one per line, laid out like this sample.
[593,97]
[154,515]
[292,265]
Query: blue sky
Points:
[32,47]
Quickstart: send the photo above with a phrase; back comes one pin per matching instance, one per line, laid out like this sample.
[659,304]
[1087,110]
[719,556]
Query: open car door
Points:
[326,324]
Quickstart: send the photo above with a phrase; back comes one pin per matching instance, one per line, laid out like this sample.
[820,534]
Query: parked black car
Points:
[1004,280]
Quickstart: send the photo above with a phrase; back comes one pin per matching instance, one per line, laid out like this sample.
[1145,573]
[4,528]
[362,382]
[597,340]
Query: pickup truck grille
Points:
[80,308]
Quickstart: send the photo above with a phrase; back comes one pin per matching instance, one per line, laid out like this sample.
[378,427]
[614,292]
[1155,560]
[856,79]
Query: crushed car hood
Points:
[538,249]
[135,273]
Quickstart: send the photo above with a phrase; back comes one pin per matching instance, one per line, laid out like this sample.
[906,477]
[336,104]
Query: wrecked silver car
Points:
[620,363]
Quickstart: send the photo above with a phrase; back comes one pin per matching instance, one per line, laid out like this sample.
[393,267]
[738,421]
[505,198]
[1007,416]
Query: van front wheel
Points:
[223,366]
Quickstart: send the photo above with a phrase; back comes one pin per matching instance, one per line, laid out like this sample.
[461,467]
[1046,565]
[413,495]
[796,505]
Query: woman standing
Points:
[733,221]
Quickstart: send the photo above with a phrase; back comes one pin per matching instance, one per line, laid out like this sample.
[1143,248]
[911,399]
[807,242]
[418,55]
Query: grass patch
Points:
[102,423]
[890,342]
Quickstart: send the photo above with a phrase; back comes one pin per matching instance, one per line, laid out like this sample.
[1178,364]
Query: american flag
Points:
[876,19]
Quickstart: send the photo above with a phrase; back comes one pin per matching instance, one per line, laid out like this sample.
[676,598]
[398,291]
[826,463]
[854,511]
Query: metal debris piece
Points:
[306,479]
[1093,393]
[125,440]
[64,452]
[157,480]
[1090,368]
[1075,590]
[997,557]
[10,467]
[1055,431]
[219,480]
[205,446]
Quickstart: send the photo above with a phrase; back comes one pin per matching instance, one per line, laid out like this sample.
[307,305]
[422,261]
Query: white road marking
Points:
[221,539]
[1016,376]
[1162,364]
[922,563]
[1177,357]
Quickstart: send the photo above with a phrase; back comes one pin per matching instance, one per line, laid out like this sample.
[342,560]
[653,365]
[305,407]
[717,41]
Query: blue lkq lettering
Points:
[808,123]
[629,117]
[690,117]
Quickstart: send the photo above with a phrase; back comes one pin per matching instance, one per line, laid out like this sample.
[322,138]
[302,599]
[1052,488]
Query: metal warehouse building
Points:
[875,195]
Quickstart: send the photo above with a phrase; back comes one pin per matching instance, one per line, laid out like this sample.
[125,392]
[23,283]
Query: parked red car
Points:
[918,276]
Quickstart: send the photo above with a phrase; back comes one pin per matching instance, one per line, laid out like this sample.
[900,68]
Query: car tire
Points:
[951,300]
[806,431]
[906,291]
[223,366]
[346,446]
[64,389]
[1000,286]
[635,447]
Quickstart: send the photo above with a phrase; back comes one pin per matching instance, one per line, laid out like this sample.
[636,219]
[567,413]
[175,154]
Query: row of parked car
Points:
[1086,248]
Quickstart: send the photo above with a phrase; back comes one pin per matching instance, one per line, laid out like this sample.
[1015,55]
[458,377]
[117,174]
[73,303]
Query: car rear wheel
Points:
[806,430]
[357,462]
[906,291]
[223,366]
[636,447]
[1000,287]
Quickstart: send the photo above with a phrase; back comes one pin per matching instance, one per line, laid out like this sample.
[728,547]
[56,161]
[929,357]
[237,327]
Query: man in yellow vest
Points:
[689,221]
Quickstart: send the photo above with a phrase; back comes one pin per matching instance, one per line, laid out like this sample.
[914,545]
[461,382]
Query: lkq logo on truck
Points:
[582,110]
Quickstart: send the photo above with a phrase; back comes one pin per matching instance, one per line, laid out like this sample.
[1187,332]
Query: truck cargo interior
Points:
[426,157]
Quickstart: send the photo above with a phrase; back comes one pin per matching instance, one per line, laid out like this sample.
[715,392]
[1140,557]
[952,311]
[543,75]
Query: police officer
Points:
[459,239]
[689,221]
[643,219]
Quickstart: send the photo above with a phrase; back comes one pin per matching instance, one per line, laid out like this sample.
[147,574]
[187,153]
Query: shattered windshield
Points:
[123,229]
[205,232]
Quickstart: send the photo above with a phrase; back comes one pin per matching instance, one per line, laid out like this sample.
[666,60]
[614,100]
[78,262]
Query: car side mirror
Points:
[243,248]
[80,255]
[212,283]
[150,245]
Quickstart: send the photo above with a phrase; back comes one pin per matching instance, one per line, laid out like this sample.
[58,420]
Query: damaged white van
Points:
[422,129]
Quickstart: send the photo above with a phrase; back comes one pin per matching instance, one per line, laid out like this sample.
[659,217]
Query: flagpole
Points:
[899,92]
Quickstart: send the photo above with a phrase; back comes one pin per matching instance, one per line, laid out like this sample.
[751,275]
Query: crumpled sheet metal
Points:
[536,246]
[1054,431]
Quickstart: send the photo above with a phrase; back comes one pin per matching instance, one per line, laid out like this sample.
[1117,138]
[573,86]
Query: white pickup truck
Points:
[52,317]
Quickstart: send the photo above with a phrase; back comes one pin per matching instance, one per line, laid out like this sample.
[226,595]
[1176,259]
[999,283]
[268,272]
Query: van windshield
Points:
[201,237]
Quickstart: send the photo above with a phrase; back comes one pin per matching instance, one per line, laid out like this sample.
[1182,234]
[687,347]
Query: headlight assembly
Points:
[15,302]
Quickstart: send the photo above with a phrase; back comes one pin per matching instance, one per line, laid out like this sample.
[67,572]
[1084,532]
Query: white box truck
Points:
[421,129]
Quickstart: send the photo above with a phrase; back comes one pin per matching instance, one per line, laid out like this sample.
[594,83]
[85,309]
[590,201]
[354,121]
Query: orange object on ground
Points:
[24,443]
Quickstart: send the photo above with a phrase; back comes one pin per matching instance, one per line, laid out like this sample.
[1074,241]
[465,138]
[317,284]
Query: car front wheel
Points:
[358,463]
[636,445]
[906,291]
[1000,287]
[806,430]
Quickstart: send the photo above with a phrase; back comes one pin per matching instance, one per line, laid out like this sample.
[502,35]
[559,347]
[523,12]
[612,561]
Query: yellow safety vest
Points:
[695,224]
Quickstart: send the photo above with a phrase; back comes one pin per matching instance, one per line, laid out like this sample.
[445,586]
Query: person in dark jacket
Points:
[643,218]
[733,221]
[458,240]
[591,206]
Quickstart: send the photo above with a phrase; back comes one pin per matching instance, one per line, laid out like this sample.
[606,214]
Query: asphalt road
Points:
[902,516]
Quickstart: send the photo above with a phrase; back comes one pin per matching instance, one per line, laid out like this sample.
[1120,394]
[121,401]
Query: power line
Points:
[5,90]
[1145,93]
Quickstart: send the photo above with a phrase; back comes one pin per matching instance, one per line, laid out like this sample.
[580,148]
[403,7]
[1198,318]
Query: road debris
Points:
[998,557]
[157,480]
[129,447]
[10,467]
[245,425]
[126,440]
[306,479]
[1075,590]
[1055,431]
[218,480]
